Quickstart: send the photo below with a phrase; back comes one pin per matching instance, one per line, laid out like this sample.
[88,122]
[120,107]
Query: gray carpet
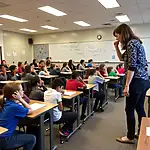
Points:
[100,131]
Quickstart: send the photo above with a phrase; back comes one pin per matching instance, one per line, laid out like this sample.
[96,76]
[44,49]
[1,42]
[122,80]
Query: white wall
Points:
[16,47]
[1,44]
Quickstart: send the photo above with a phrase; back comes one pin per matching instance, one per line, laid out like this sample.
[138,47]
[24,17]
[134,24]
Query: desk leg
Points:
[88,104]
[52,147]
[42,144]
[106,94]
[116,93]
[92,112]
[78,111]
[148,106]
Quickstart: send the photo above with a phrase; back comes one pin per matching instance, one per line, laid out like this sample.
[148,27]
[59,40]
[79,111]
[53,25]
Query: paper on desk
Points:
[69,93]
[36,106]
[147,131]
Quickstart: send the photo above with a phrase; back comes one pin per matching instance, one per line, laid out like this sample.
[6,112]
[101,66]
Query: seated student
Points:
[43,71]
[42,63]
[27,75]
[112,73]
[13,75]
[20,67]
[91,63]
[35,63]
[103,70]
[25,63]
[10,114]
[71,65]
[3,74]
[3,62]
[75,84]
[54,70]
[65,68]
[37,89]
[98,93]
[59,116]
[48,62]
[120,68]
[98,72]
[81,66]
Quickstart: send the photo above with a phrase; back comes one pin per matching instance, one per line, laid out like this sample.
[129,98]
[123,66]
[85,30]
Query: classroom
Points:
[73,73]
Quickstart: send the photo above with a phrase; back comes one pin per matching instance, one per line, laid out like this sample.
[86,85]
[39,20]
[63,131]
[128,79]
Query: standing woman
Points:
[136,78]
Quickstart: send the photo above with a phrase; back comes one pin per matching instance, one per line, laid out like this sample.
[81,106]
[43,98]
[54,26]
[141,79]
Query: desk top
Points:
[148,93]
[69,73]
[112,78]
[80,70]
[37,112]
[71,96]
[17,81]
[48,77]
[3,130]
[106,80]
[90,86]
[144,141]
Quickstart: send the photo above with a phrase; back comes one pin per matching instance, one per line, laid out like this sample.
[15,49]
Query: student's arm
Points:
[60,106]
[99,80]
[17,96]
[98,73]
[116,43]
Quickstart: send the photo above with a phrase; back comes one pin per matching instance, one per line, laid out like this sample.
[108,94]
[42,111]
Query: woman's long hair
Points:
[126,34]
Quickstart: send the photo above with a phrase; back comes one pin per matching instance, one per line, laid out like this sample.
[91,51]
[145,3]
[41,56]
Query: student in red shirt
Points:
[20,67]
[120,68]
[77,83]
[103,70]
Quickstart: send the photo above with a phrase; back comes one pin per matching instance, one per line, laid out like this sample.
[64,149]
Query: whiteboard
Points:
[98,51]
[146,44]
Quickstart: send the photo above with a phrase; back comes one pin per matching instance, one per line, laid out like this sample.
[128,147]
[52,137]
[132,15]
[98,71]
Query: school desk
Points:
[73,98]
[148,95]
[41,113]
[144,140]
[114,80]
[90,104]
[50,77]
[81,72]
[3,130]
[66,74]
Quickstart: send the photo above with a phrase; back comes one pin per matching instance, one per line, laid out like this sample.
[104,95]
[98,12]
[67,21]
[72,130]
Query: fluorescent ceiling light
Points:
[82,23]
[123,18]
[13,18]
[28,30]
[1,24]
[52,11]
[109,3]
[49,27]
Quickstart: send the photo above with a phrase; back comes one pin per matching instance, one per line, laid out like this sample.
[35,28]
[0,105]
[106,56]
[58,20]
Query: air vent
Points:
[2,5]
[107,24]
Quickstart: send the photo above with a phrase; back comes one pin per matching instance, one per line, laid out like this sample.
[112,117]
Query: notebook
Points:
[36,106]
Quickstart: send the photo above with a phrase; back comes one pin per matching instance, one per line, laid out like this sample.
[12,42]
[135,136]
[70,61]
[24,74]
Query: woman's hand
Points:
[126,90]
[116,43]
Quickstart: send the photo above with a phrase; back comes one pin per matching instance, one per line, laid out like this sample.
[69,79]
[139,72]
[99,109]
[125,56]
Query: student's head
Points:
[48,63]
[57,84]
[3,62]
[109,69]
[36,81]
[34,61]
[82,61]
[102,67]
[70,62]
[121,65]
[20,64]
[90,61]
[13,68]
[65,64]
[47,58]
[92,72]
[2,68]
[42,68]
[53,66]
[12,88]
[42,63]
[27,69]
[75,75]
[124,34]
[25,63]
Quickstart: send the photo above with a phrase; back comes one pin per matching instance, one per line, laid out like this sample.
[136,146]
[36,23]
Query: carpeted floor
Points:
[101,130]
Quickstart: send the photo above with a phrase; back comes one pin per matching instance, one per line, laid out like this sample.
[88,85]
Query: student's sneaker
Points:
[100,109]
[125,140]
[63,133]
[82,117]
